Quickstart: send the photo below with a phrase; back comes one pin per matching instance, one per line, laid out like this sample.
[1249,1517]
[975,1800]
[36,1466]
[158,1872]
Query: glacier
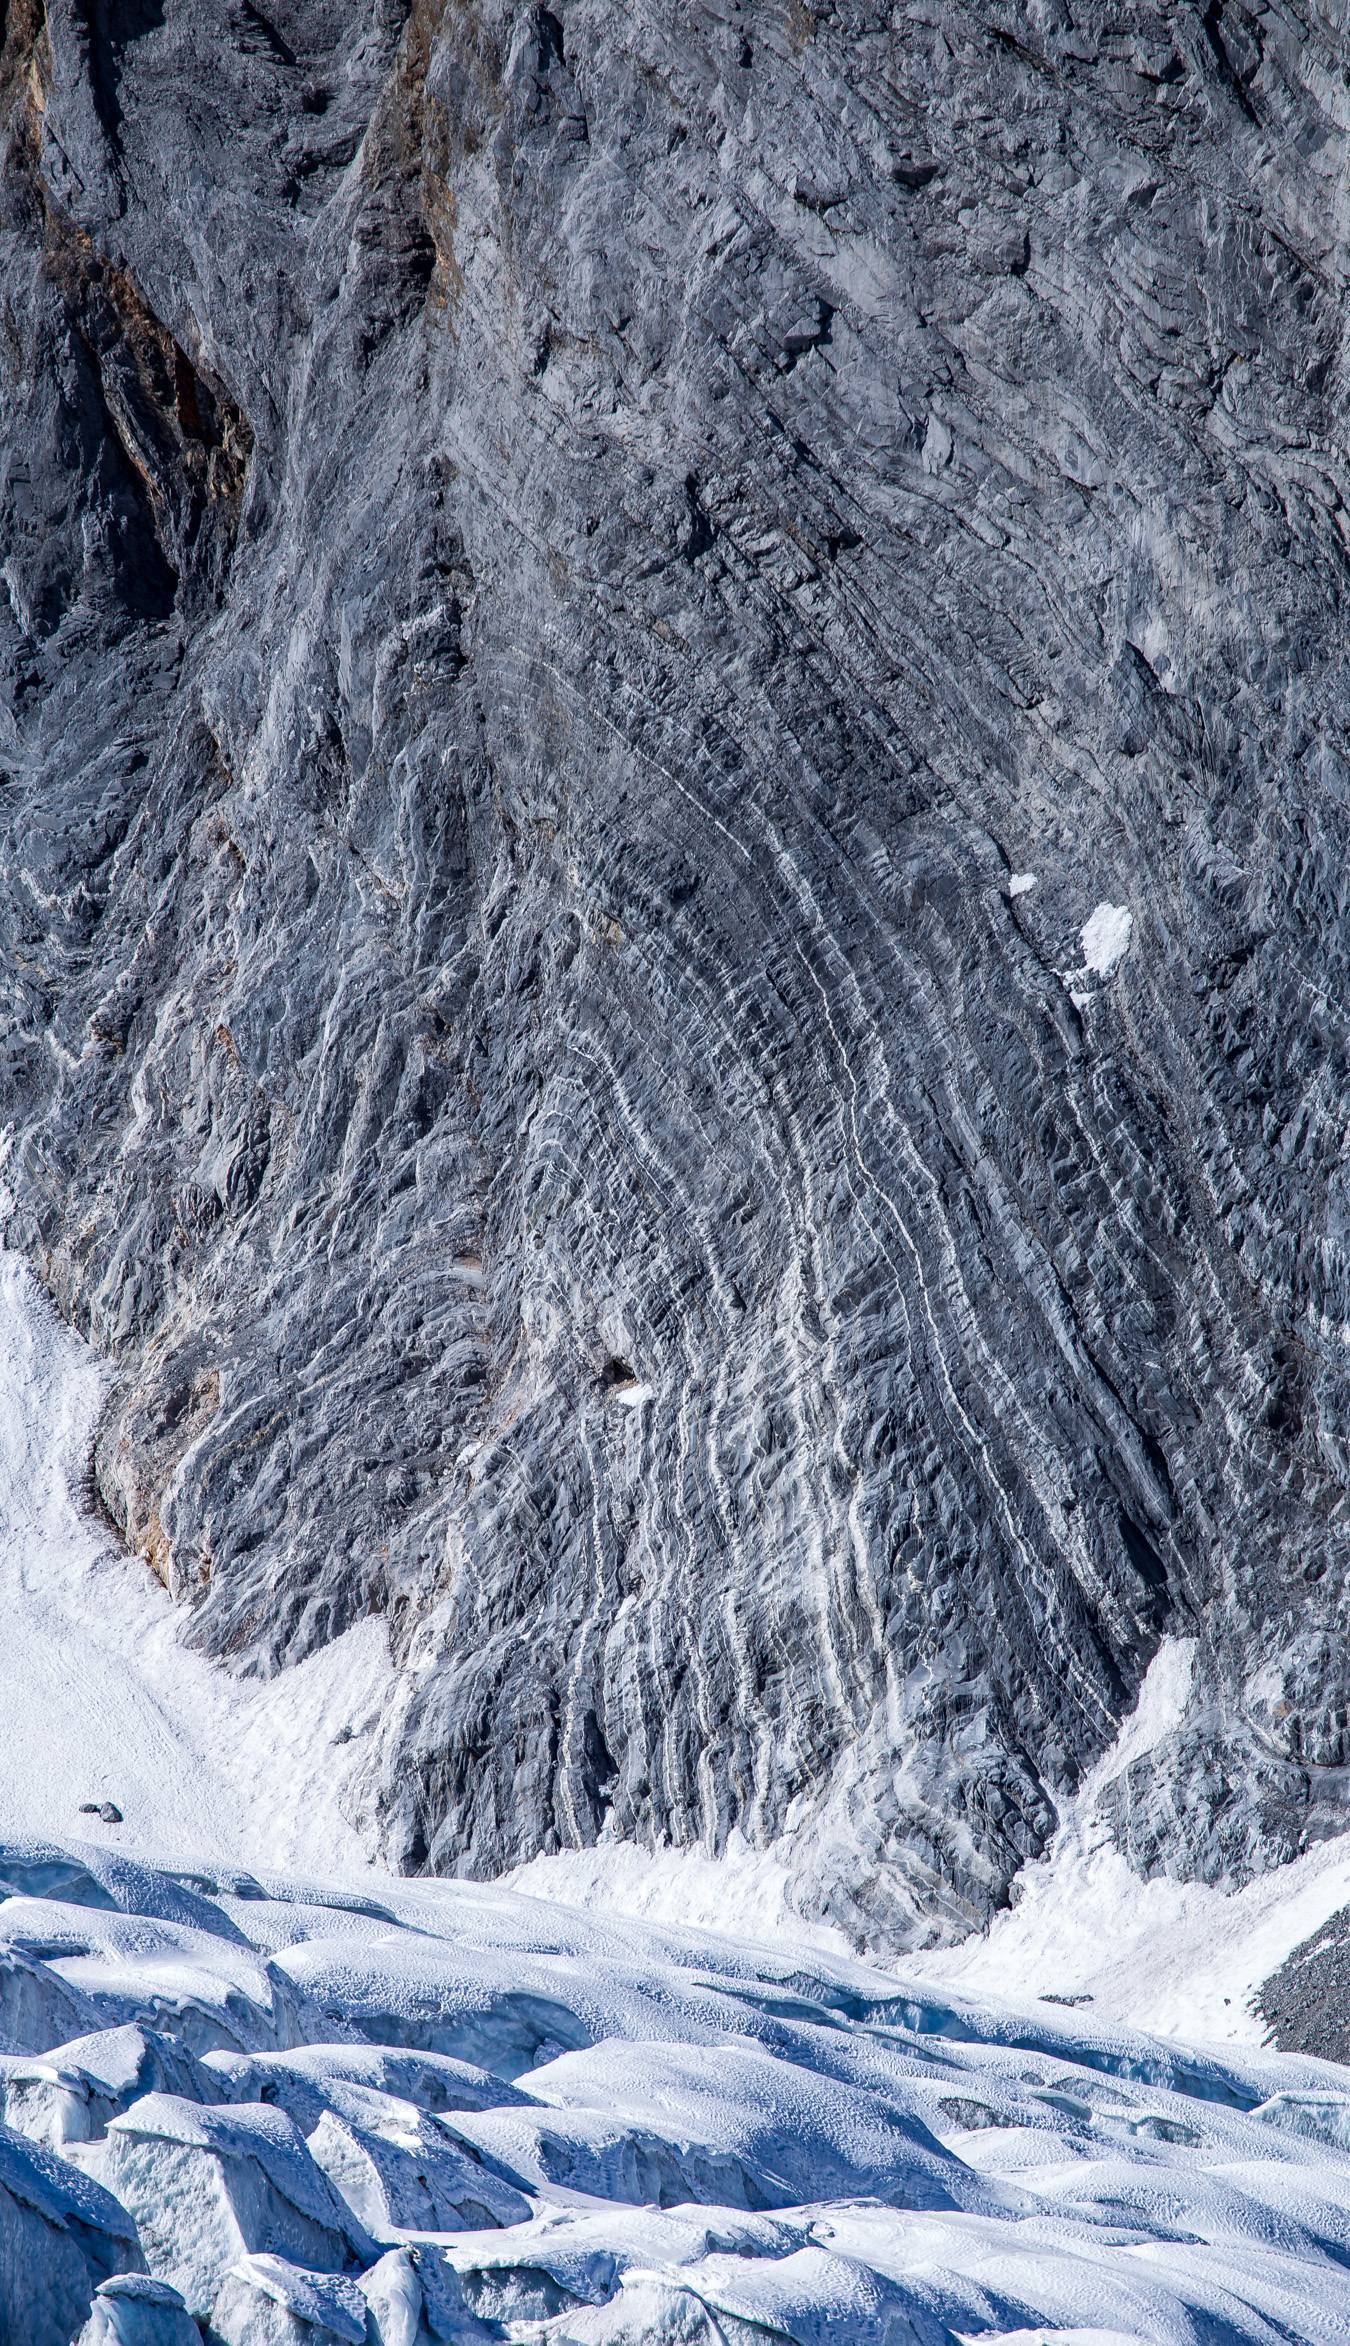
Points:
[449,2111]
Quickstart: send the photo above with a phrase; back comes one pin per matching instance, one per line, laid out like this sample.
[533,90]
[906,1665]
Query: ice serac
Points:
[750,2142]
[61,2236]
[564,566]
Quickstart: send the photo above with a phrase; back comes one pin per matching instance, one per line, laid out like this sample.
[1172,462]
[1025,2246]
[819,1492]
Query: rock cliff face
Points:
[675,837]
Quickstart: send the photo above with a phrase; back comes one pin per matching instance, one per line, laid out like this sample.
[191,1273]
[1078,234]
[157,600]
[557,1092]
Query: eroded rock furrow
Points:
[673,876]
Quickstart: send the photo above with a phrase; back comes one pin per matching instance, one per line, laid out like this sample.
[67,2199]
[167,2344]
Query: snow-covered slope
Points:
[260,2094]
[100,1700]
[1176,1957]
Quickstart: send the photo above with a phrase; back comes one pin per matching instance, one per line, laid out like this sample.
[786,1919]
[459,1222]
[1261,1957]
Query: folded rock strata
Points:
[672,843]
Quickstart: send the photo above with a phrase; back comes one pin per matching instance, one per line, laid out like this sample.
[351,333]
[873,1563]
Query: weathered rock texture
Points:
[1305,2005]
[561,565]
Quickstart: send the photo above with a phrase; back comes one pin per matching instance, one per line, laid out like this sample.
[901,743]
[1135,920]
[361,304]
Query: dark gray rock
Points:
[1306,2003]
[562,569]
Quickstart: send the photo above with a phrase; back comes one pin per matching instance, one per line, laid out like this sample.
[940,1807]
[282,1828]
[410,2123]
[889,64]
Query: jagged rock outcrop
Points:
[567,571]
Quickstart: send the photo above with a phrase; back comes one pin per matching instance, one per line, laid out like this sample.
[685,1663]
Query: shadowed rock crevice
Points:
[111,27]
[185,443]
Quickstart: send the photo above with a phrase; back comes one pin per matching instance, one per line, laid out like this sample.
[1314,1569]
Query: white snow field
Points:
[257,2094]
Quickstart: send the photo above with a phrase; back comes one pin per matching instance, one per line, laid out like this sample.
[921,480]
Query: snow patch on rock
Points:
[1105,938]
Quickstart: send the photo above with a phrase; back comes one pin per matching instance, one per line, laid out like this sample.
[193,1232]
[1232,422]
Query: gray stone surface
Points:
[558,565]
[1305,2005]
